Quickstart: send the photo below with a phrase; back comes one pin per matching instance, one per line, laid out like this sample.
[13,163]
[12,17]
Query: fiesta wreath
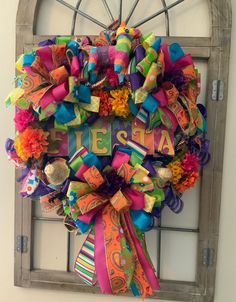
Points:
[109,132]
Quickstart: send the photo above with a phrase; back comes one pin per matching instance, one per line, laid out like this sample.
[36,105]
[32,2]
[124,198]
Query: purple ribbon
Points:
[9,145]
[202,109]
[173,201]
[139,53]
[136,80]
[47,42]
[201,150]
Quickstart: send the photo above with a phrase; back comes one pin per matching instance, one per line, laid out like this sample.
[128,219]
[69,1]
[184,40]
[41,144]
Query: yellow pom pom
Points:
[119,101]
[176,170]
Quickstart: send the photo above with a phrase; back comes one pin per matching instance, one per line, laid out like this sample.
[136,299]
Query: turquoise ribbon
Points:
[82,93]
[176,52]
[28,59]
[83,227]
[65,113]
[92,160]
[150,104]
[141,220]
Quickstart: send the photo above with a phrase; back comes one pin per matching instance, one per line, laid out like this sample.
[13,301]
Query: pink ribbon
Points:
[82,169]
[75,68]
[184,61]
[167,60]
[119,159]
[45,53]
[55,94]
[172,117]
[86,218]
[137,198]
[99,256]
[160,96]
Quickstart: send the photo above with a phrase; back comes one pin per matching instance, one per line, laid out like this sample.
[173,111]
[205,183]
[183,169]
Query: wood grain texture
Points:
[216,50]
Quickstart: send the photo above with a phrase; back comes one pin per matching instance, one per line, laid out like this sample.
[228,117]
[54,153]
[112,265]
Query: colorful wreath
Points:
[109,132]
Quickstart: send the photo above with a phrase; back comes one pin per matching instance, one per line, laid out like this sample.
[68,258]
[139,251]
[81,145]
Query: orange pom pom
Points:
[189,182]
[31,143]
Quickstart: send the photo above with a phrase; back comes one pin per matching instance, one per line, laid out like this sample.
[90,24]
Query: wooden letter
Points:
[98,140]
[121,135]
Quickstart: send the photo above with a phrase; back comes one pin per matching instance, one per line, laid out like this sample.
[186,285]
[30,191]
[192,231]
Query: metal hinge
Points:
[217,90]
[208,256]
[21,244]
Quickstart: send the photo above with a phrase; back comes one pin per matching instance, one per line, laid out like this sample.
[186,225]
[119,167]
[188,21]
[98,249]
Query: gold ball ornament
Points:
[57,171]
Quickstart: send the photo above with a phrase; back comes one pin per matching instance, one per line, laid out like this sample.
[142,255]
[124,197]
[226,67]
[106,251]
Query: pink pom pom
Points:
[23,118]
[112,77]
[190,162]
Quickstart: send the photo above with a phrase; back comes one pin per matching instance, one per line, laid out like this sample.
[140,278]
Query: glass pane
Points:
[152,246]
[188,218]
[50,246]
[178,256]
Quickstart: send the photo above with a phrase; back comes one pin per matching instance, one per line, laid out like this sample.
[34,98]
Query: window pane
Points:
[50,246]
[178,256]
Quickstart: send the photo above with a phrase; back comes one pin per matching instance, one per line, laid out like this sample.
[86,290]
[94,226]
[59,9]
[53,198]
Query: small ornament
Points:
[57,171]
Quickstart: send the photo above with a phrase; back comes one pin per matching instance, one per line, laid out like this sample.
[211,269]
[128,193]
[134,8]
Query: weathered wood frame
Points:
[215,50]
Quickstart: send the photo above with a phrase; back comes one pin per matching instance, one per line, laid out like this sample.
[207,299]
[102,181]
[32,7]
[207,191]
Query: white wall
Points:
[226,267]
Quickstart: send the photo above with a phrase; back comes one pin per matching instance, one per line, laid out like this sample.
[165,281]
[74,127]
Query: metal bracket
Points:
[208,257]
[217,90]
[21,244]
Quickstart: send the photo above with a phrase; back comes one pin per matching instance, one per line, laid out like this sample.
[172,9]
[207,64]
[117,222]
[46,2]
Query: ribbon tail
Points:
[139,285]
[148,269]
[84,264]
[100,257]
[113,248]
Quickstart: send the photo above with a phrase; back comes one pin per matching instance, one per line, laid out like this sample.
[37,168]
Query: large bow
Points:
[168,92]
[114,203]
[50,81]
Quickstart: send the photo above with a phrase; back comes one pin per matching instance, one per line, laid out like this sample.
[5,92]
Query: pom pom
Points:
[119,100]
[190,162]
[31,143]
[176,77]
[112,77]
[105,104]
[188,182]
[177,171]
[23,118]
[112,184]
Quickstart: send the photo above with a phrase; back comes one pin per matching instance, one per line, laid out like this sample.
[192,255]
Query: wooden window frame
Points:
[215,50]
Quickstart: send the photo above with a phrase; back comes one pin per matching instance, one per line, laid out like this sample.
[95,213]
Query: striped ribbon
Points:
[84,264]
